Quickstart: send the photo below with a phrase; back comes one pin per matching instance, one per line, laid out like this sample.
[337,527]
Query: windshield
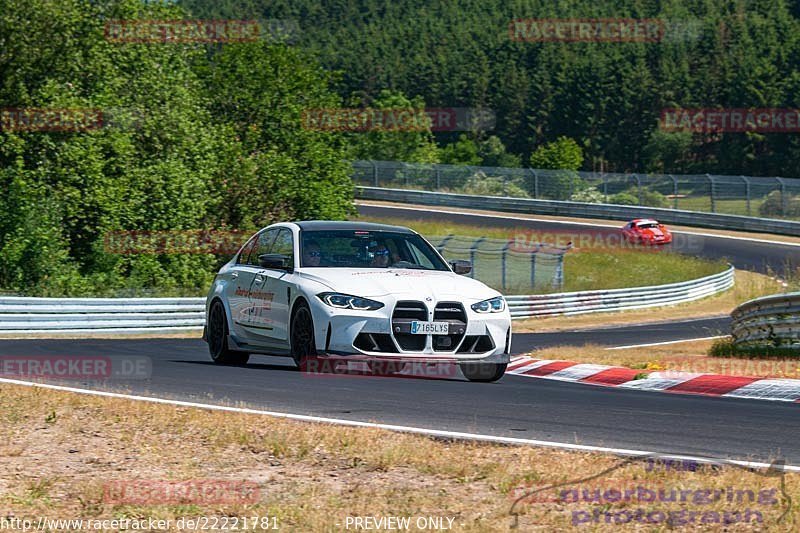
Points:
[648,225]
[368,249]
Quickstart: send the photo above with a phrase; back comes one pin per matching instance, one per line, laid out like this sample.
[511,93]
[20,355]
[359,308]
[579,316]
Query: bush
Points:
[648,198]
[482,185]
[589,196]
[624,198]
[773,206]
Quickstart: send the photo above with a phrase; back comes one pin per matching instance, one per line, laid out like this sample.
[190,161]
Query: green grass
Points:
[726,348]
[587,268]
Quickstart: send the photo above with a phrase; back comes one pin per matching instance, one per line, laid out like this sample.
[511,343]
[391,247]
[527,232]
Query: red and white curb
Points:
[782,390]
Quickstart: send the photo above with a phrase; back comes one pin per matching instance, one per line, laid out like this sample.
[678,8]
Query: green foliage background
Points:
[607,96]
[202,137]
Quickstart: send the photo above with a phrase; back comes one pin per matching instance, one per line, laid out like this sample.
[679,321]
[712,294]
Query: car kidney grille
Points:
[412,310]
[453,313]
[404,313]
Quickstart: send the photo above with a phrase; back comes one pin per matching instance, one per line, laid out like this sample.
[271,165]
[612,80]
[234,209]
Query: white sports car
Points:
[375,292]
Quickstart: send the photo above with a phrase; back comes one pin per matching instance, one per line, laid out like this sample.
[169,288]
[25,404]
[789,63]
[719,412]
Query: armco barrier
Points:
[768,321]
[574,303]
[582,210]
[76,315]
[20,315]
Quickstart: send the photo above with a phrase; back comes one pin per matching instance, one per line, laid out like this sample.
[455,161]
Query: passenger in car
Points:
[312,254]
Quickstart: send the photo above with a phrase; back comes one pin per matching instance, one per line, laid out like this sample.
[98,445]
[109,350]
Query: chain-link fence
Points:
[736,195]
[507,266]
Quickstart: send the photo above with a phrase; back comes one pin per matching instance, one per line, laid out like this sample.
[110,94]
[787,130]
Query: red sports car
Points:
[646,231]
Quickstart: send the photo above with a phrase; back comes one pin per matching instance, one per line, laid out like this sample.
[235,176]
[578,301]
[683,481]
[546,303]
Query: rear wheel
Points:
[218,338]
[483,372]
[302,335]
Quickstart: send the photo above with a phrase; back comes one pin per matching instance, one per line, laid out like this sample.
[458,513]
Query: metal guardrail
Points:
[768,321]
[78,315]
[734,195]
[581,210]
[574,303]
[19,315]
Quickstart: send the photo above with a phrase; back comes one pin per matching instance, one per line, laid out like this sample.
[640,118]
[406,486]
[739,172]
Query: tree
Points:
[565,157]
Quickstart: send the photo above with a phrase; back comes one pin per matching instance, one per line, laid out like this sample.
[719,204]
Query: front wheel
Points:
[302,335]
[218,338]
[483,372]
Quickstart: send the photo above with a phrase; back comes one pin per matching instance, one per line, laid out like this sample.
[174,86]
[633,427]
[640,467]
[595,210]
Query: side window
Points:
[263,246]
[284,244]
[246,251]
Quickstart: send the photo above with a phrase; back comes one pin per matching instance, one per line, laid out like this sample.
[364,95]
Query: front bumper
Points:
[383,334]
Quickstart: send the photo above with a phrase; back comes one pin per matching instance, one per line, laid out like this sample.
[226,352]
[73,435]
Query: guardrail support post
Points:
[784,199]
[443,244]
[535,183]
[438,178]
[638,188]
[674,191]
[711,193]
[374,172]
[746,192]
[533,265]
[472,250]
[503,258]
[558,281]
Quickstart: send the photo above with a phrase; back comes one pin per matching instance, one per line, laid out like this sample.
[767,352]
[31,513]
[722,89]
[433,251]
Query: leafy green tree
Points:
[462,152]
[413,143]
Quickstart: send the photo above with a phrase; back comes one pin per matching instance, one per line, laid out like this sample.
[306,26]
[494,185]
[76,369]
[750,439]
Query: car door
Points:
[276,285]
[234,295]
[246,309]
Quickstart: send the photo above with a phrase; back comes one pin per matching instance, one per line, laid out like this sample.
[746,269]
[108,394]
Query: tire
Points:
[302,334]
[385,368]
[218,338]
[483,372]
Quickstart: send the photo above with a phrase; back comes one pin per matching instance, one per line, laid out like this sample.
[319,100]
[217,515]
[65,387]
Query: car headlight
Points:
[492,305]
[346,301]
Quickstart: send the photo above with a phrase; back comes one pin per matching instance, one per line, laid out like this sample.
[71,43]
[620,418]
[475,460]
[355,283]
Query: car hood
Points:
[372,283]
[653,232]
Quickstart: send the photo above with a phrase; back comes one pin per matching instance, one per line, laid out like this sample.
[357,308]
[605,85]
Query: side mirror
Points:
[460,266]
[275,262]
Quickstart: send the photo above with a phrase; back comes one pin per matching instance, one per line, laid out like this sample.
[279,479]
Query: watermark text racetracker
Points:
[677,367]
[193,491]
[535,241]
[200,241]
[398,119]
[75,367]
[730,120]
[151,31]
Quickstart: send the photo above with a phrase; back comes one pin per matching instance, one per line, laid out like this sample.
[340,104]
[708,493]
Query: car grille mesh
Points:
[452,312]
[409,310]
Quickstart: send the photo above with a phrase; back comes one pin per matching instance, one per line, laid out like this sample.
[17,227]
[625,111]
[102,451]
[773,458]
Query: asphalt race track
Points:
[516,406]
[743,254]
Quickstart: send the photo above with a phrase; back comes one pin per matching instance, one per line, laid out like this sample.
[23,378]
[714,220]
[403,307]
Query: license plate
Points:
[430,328]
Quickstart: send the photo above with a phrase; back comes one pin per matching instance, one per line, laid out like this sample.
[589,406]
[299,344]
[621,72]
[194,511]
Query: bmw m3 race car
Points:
[349,289]
[646,231]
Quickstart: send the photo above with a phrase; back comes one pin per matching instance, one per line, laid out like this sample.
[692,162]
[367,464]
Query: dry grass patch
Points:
[311,476]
